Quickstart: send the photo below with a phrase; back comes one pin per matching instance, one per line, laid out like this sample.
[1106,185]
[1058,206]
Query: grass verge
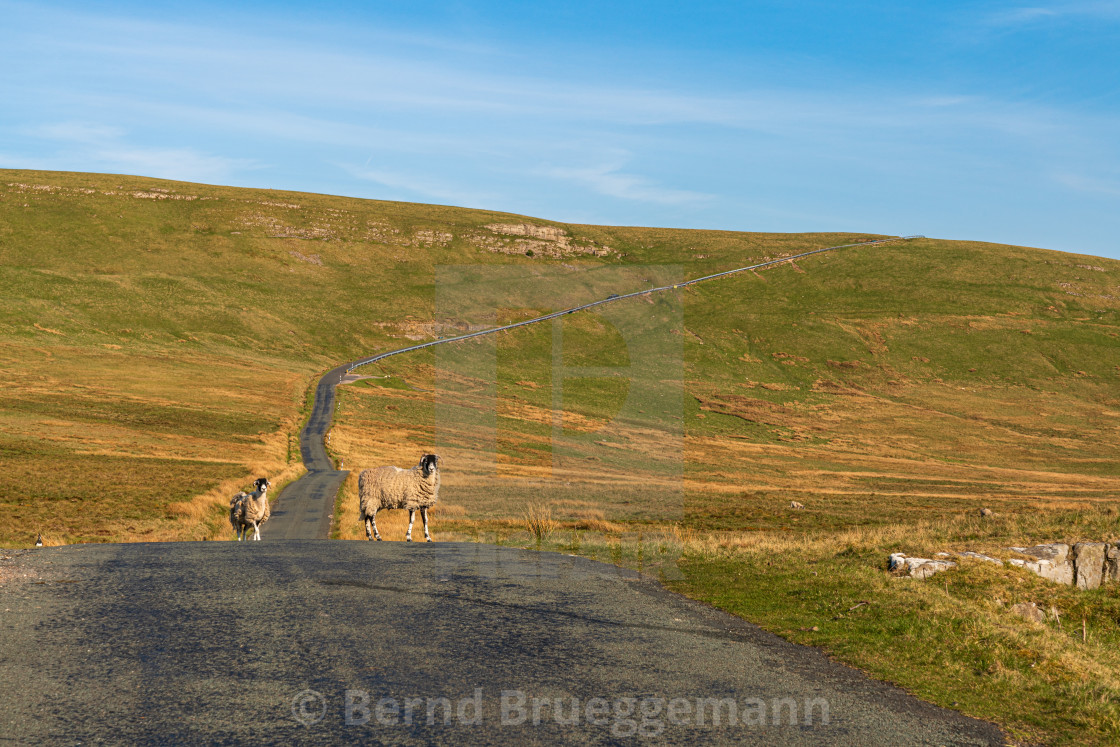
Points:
[951,639]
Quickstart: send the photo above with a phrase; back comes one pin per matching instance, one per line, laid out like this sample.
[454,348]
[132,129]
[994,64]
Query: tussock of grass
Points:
[539,521]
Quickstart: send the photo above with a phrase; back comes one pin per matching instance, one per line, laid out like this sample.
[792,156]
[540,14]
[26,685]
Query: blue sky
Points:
[994,121]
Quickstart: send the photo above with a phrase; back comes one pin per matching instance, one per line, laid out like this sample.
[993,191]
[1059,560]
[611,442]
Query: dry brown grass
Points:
[146,416]
[594,520]
[538,520]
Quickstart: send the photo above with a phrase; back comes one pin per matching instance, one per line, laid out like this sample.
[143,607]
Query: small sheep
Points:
[393,487]
[250,510]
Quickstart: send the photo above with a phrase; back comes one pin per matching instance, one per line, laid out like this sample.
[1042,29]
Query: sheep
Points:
[393,487]
[250,510]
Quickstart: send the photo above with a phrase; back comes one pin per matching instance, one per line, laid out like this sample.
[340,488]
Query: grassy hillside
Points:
[157,342]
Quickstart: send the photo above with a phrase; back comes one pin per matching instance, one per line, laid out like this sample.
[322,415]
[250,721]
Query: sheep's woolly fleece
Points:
[393,487]
[250,509]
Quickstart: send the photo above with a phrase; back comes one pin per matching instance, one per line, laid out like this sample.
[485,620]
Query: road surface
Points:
[225,642]
[304,508]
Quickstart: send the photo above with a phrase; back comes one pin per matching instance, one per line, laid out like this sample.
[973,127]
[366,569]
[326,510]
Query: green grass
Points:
[167,349]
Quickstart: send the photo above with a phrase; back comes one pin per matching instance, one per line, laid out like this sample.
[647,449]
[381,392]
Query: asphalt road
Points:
[223,642]
[303,509]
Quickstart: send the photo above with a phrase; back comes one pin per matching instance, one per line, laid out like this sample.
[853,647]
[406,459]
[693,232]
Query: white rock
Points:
[903,565]
[978,556]
[1053,562]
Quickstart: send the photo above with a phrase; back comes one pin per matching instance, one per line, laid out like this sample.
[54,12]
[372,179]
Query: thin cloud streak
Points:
[422,185]
[106,148]
[608,180]
[1040,14]
[1090,185]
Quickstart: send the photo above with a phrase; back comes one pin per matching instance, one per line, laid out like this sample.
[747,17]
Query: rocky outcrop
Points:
[1086,564]
[902,565]
[1088,560]
[1053,562]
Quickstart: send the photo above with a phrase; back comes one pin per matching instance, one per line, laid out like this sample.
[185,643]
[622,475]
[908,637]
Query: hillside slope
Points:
[157,340]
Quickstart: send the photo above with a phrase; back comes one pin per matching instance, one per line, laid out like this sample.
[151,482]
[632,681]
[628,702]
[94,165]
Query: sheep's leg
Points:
[424,516]
[376,534]
[256,530]
[411,518]
[369,529]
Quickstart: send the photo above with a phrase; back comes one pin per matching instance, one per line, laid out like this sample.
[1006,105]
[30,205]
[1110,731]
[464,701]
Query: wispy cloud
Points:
[423,186]
[184,164]
[77,132]
[94,146]
[1019,16]
[609,180]
[1089,184]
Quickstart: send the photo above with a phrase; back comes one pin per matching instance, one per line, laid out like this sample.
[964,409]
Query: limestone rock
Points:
[1028,611]
[1056,553]
[985,512]
[978,556]
[902,565]
[795,504]
[1088,561]
[1112,563]
[1053,562]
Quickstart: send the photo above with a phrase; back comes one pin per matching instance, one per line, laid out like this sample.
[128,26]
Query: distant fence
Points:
[615,297]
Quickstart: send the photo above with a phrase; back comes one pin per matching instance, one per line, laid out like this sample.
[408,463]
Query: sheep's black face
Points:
[263,484]
[428,463]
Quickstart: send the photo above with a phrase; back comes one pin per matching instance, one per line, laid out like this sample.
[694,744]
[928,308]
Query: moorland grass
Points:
[165,337]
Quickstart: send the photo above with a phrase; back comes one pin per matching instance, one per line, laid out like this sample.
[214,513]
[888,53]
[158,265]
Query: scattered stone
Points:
[978,556]
[1053,562]
[901,565]
[1086,564]
[1088,560]
[985,512]
[1028,611]
[795,504]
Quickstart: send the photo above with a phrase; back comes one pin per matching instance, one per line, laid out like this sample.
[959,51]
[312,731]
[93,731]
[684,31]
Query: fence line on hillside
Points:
[613,298]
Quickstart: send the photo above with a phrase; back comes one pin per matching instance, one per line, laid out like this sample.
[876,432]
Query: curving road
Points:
[304,508]
[259,642]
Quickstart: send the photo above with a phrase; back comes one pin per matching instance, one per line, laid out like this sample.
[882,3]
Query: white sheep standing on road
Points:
[393,487]
[250,510]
